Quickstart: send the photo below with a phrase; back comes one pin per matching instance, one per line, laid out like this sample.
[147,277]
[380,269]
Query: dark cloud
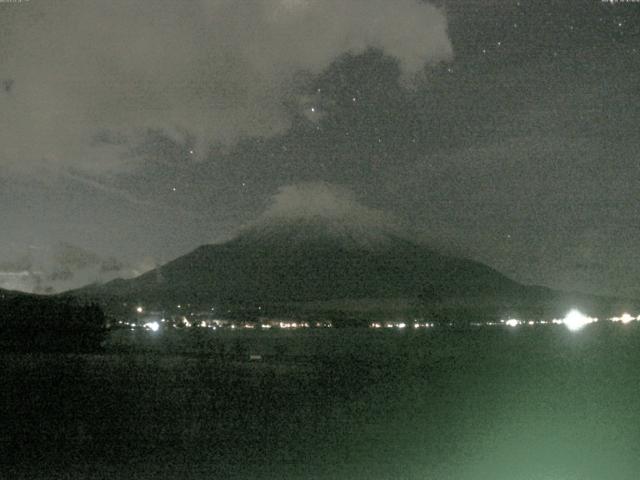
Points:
[7,85]
[200,71]
[72,256]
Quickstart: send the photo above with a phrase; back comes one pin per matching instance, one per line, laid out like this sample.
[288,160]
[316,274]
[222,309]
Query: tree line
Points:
[31,323]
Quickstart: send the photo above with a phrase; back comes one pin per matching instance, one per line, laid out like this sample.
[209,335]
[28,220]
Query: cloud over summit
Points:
[326,202]
[209,70]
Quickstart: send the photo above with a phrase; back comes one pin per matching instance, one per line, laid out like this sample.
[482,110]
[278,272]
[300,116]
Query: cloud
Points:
[62,267]
[324,201]
[202,71]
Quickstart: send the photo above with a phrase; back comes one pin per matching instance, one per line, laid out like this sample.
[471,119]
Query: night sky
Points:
[507,131]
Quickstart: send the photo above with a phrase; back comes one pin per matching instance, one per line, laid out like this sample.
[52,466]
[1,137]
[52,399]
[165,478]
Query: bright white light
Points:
[512,322]
[402,325]
[575,320]
[153,326]
[139,309]
[625,318]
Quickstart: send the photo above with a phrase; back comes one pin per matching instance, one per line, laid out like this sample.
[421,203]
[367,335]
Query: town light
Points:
[575,320]
[153,326]
[512,322]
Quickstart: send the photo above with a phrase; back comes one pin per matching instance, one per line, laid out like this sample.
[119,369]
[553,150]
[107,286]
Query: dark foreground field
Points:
[527,403]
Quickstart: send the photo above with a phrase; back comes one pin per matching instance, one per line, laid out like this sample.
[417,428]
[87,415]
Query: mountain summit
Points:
[304,232]
[309,214]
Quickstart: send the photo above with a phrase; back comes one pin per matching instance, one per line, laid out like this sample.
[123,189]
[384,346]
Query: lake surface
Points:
[487,403]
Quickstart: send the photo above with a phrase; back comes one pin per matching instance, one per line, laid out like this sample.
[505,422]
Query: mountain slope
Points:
[328,265]
[311,260]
